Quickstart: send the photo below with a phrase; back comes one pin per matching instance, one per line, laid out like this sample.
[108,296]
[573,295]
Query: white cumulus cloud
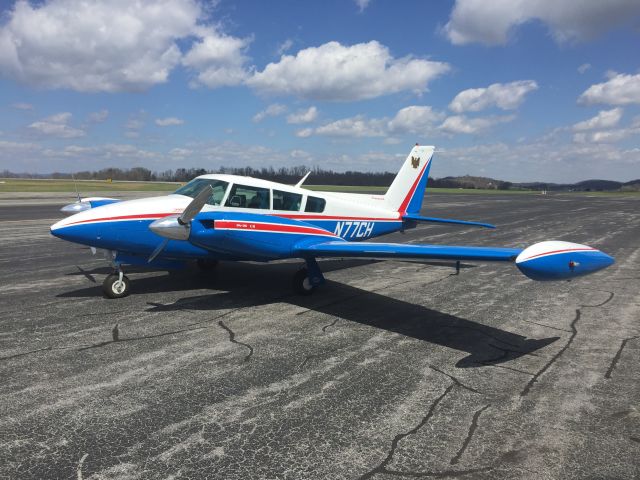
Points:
[414,119]
[604,119]
[285,46]
[168,121]
[583,68]
[22,106]
[506,96]
[612,135]
[57,126]
[362,4]
[358,126]
[303,116]
[304,133]
[490,22]
[114,45]
[464,124]
[99,117]
[343,73]
[219,59]
[272,110]
[620,89]
[419,119]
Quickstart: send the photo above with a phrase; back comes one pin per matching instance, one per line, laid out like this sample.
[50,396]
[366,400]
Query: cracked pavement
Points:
[389,371]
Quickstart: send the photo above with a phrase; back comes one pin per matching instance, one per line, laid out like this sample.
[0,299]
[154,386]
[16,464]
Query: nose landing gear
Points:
[116,285]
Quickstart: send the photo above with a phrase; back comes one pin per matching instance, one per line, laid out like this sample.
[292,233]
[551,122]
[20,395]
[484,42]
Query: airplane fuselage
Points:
[267,231]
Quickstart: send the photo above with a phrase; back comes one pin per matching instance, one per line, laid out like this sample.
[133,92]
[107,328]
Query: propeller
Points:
[158,249]
[178,227]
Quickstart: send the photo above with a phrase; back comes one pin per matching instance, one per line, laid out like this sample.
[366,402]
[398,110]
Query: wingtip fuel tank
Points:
[556,260]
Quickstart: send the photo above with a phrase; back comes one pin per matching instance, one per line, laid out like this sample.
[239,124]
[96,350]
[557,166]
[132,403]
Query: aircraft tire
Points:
[113,288]
[301,284]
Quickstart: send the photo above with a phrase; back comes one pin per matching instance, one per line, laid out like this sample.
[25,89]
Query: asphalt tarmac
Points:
[390,371]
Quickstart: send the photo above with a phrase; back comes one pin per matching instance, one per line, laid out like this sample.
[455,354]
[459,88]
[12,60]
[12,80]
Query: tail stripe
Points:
[407,199]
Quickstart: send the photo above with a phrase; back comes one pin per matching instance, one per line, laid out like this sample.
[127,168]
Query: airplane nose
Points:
[58,229]
[71,231]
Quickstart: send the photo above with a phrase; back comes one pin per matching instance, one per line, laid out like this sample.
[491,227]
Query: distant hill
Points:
[595,185]
[469,181]
[632,186]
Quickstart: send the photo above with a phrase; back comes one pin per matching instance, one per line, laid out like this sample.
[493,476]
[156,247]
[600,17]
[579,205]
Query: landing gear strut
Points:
[116,285]
[307,279]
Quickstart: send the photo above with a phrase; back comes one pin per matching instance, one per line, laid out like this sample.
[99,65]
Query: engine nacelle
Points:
[555,260]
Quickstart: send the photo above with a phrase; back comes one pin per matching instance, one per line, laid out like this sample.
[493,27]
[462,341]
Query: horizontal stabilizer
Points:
[418,218]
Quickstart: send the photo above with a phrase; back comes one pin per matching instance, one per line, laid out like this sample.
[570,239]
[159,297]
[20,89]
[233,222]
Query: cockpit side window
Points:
[286,201]
[245,196]
[194,187]
[315,205]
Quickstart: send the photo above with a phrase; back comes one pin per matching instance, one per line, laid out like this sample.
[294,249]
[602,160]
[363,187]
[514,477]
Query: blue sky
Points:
[521,91]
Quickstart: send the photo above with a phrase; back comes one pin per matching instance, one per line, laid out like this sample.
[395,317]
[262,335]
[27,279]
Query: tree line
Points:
[286,175]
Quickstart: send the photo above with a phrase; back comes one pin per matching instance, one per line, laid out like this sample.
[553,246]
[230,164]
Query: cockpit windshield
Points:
[194,187]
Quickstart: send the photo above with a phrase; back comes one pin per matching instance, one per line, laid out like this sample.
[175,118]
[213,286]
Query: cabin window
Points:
[315,205]
[245,196]
[286,201]
[194,187]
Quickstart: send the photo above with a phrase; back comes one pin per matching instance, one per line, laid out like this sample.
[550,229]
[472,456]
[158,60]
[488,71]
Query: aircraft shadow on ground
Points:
[243,285]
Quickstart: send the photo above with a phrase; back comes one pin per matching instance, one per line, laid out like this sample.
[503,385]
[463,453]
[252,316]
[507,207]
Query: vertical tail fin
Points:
[407,190]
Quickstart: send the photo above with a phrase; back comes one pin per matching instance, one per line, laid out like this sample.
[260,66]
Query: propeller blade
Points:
[195,206]
[158,250]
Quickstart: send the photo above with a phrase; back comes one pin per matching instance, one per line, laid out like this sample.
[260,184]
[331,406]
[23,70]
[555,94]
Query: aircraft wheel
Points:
[206,265]
[113,287]
[301,283]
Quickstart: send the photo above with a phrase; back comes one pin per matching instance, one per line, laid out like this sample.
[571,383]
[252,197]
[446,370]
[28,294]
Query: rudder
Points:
[407,190]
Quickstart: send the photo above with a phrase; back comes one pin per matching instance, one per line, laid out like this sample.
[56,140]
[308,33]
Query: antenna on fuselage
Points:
[78,205]
[299,184]
[75,185]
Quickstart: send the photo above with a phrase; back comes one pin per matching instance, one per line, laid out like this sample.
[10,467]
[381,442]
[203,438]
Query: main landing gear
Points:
[307,279]
[116,285]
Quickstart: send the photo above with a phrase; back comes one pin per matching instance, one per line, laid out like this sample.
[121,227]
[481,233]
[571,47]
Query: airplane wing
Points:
[549,260]
[406,251]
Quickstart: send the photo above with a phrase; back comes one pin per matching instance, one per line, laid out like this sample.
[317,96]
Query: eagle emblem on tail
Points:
[415,162]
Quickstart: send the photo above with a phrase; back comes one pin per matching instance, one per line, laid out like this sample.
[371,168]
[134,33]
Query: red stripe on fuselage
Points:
[143,216]
[269,227]
[334,217]
[148,216]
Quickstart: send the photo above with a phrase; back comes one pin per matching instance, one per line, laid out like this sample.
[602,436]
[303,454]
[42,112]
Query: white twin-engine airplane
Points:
[227,217]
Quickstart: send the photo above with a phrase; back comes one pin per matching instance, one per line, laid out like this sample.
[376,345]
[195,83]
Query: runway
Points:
[390,371]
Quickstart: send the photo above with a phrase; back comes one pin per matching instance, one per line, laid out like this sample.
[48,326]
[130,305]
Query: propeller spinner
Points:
[178,227]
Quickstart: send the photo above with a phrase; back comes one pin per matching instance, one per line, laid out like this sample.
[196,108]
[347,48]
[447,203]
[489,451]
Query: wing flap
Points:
[407,251]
